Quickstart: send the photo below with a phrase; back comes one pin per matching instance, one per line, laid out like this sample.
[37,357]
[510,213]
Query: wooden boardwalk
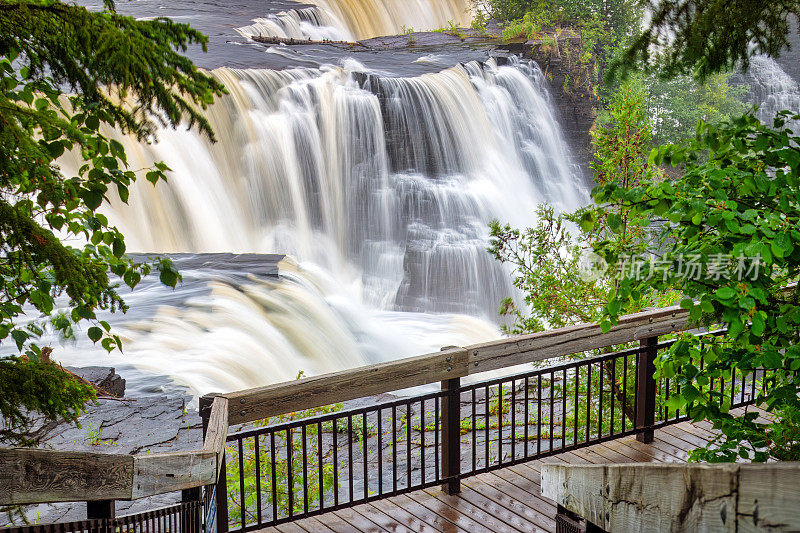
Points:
[506,500]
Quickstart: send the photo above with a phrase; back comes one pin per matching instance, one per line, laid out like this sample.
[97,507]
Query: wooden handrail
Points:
[46,476]
[455,362]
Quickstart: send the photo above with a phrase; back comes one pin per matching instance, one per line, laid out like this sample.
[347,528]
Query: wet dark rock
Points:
[102,377]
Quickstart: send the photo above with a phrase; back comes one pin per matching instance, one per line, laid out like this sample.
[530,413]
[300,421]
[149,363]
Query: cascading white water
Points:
[772,89]
[302,23]
[360,19]
[381,187]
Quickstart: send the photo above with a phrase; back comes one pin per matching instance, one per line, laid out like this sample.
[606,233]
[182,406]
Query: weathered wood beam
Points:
[325,389]
[160,473]
[217,431]
[679,497]
[45,476]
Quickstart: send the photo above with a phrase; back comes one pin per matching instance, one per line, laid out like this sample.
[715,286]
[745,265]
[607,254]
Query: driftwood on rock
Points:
[293,41]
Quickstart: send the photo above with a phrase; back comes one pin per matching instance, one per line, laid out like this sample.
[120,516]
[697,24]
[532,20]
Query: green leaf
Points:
[92,122]
[725,293]
[95,334]
[118,247]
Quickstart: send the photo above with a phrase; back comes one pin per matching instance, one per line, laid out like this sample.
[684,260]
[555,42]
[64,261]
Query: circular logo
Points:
[591,266]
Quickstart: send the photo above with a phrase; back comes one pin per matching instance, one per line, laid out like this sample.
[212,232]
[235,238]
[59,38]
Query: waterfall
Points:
[360,19]
[380,187]
[301,23]
[772,89]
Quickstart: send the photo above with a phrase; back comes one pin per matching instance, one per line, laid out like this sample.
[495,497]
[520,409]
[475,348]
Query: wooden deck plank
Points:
[290,528]
[442,513]
[494,508]
[656,453]
[476,512]
[390,521]
[405,516]
[504,500]
[507,482]
[511,503]
[357,521]
[312,525]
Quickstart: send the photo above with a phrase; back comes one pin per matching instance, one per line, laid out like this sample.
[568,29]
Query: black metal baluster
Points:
[422,439]
[486,439]
[513,420]
[335,427]
[500,423]
[241,482]
[474,435]
[539,415]
[380,451]
[552,407]
[600,403]
[576,404]
[305,469]
[350,497]
[320,474]
[527,414]
[394,448]
[564,411]
[258,476]
[289,470]
[624,391]
[436,450]
[364,437]
[588,401]
[613,388]
[408,444]
[274,476]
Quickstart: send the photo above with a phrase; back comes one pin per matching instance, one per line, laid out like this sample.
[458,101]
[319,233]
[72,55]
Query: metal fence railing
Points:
[290,469]
[185,517]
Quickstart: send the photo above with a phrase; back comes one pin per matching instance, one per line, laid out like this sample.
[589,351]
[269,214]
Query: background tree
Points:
[675,105]
[549,260]
[703,37]
[65,73]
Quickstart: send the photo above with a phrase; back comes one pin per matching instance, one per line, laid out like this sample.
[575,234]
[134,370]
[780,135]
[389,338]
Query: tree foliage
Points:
[677,104]
[68,74]
[735,211]
[560,283]
[702,37]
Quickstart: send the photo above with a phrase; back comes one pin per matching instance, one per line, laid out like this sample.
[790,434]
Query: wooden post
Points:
[222,482]
[451,435]
[646,388]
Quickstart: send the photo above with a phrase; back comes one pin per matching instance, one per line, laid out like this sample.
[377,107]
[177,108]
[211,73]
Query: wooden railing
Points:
[40,476]
[43,476]
[449,363]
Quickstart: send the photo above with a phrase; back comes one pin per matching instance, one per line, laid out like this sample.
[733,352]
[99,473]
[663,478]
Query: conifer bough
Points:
[65,72]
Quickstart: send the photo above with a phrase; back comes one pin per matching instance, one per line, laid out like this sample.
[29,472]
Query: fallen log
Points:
[293,41]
